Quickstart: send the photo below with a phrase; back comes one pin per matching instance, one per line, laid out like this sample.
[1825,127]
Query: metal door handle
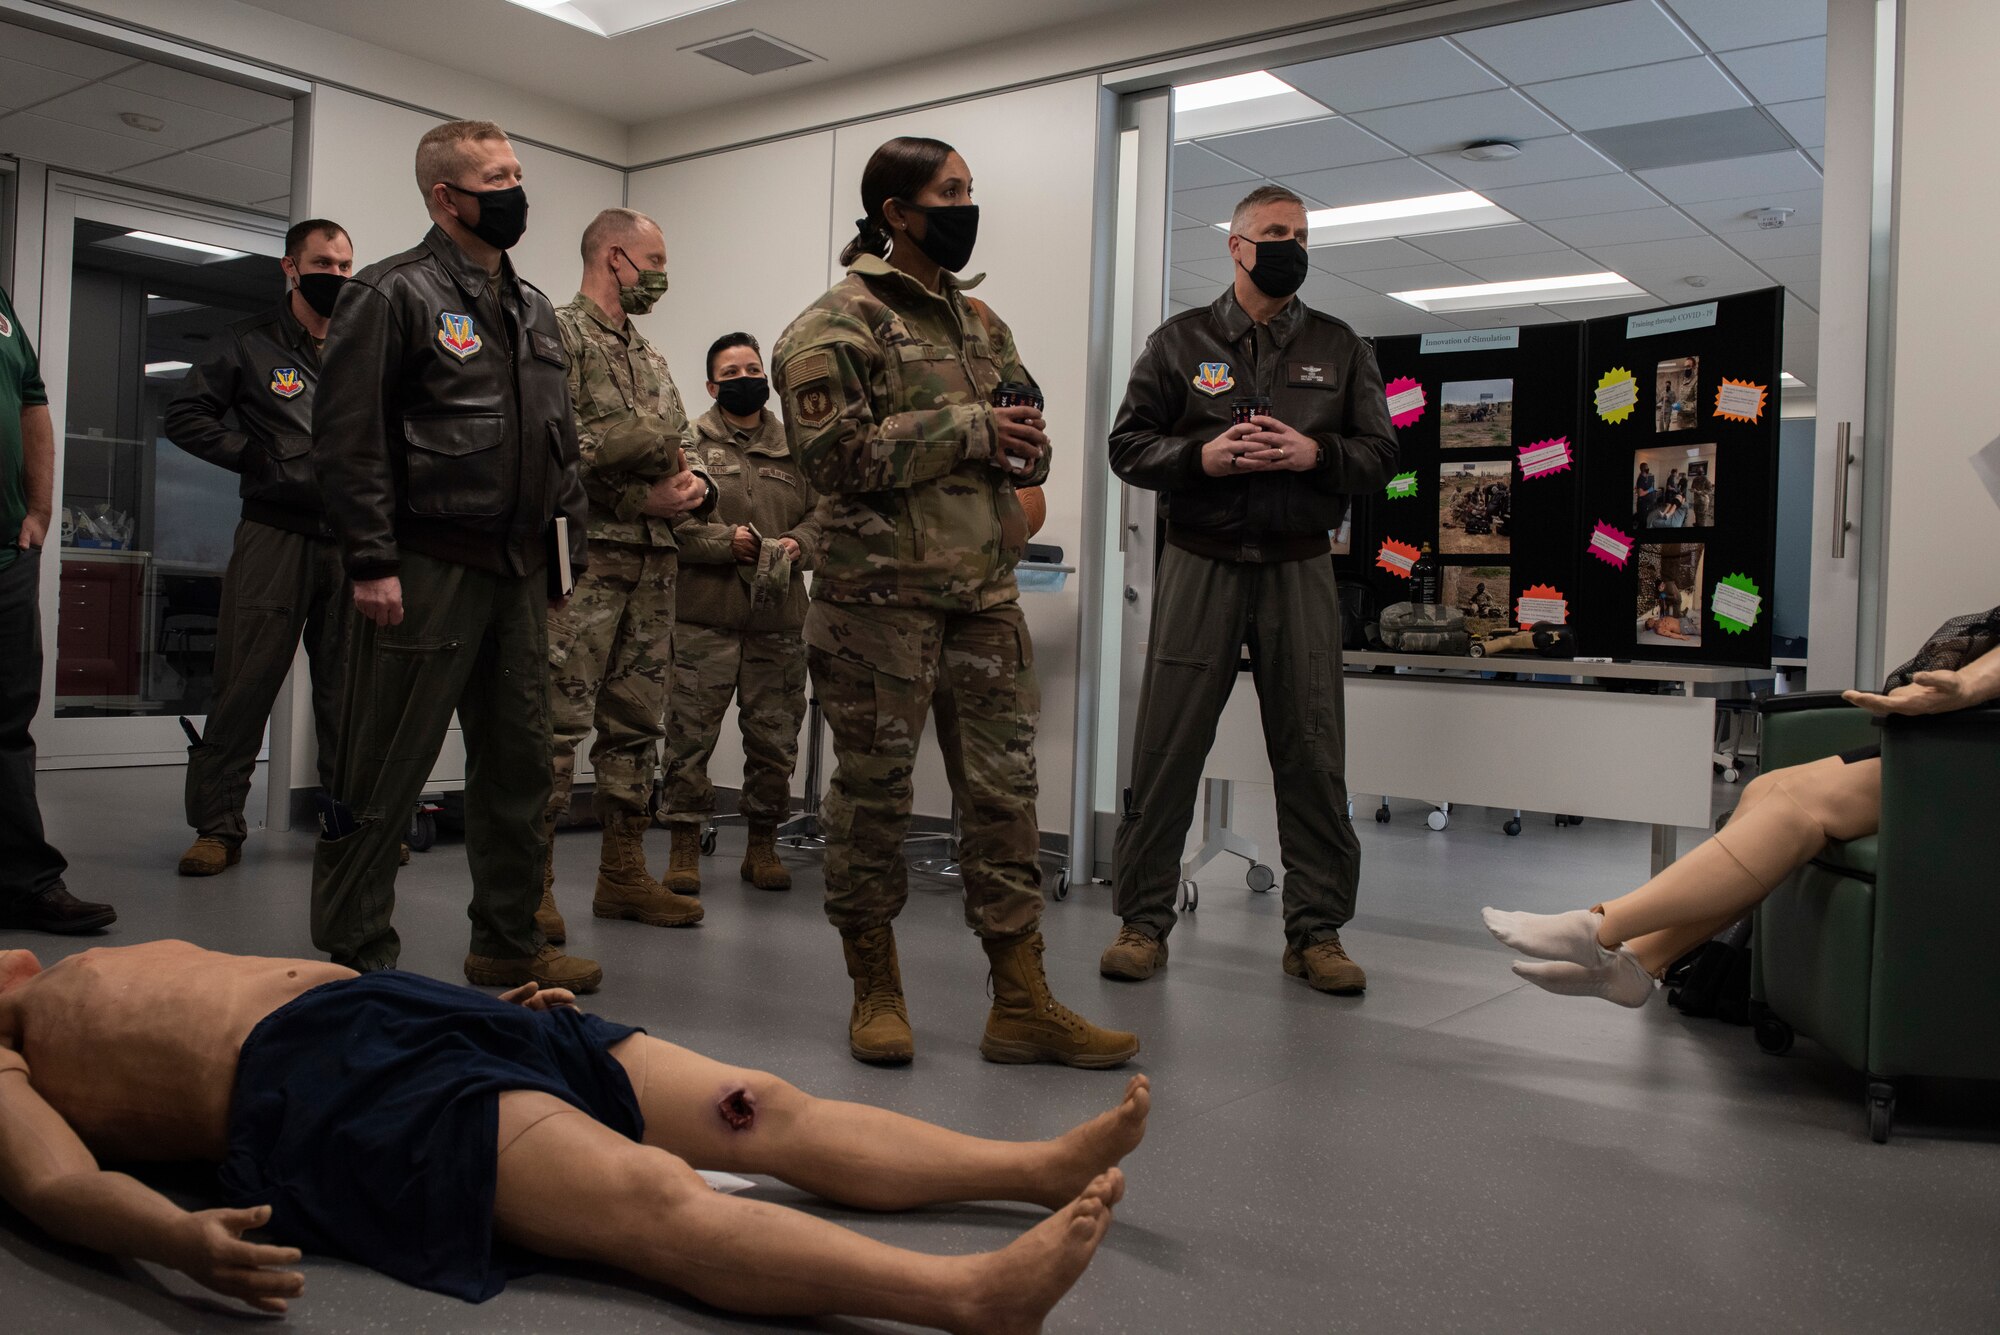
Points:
[1843,440]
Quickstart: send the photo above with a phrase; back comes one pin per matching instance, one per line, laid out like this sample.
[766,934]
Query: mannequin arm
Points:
[1937,692]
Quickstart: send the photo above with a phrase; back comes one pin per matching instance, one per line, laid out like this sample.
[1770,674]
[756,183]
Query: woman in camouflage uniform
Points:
[887,383]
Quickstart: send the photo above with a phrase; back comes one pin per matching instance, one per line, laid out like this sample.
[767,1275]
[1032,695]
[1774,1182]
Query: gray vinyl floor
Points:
[1451,1152]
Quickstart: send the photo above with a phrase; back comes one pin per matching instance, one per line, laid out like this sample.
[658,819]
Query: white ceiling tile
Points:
[1723,216]
[1580,42]
[1370,183]
[1603,229]
[1180,222]
[1818,155]
[1211,204]
[32,47]
[1451,123]
[1806,120]
[268,149]
[1325,292]
[1760,244]
[1393,318]
[1549,264]
[1557,159]
[1416,278]
[1389,76]
[1199,248]
[1503,317]
[1177,307]
[228,99]
[1701,181]
[1218,270]
[24,85]
[27,134]
[1649,93]
[1360,256]
[1799,274]
[1250,115]
[1574,199]
[98,107]
[209,178]
[281,205]
[1727,24]
[1787,72]
[1799,315]
[1306,146]
[1482,243]
[1725,276]
[1591,310]
[1196,167]
[1687,254]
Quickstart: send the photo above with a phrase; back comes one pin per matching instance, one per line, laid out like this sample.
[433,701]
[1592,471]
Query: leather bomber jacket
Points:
[442,423]
[266,374]
[1322,381]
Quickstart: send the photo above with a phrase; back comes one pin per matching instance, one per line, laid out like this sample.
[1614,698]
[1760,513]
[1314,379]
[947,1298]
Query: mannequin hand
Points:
[380,600]
[1281,447]
[1234,452]
[1927,693]
[209,1248]
[743,545]
[538,998]
[1021,440]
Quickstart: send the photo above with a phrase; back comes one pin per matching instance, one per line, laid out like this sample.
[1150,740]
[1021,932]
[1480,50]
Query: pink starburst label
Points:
[1545,457]
[1611,546]
[1406,401]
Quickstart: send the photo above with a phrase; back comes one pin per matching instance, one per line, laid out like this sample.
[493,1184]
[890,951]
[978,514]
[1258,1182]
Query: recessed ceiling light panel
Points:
[615,18]
[1235,88]
[1521,292]
[1421,215]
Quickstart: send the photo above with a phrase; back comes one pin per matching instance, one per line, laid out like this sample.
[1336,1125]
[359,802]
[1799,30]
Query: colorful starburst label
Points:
[1541,603]
[1617,394]
[1611,546]
[1397,557]
[1406,401]
[1736,602]
[1545,457]
[1739,400]
[1402,486]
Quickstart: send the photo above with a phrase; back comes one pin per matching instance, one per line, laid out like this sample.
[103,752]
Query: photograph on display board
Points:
[1674,487]
[1675,404]
[1484,595]
[1669,610]
[1343,537]
[1477,414]
[1475,508]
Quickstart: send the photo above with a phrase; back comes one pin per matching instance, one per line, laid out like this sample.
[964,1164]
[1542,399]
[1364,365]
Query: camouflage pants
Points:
[766,675]
[877,672]
[611,666]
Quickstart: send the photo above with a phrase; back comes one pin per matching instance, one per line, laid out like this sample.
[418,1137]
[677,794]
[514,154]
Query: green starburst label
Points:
[1736,603]
[1402,485]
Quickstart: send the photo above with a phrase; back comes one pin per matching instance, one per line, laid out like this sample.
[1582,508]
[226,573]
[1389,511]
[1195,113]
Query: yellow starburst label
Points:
[1617,394]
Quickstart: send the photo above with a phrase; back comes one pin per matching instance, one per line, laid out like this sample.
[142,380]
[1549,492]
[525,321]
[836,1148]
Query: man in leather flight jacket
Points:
[284,579]
[445,448]
[1247,561]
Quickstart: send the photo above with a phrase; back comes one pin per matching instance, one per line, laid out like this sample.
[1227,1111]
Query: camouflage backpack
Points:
[1412,629]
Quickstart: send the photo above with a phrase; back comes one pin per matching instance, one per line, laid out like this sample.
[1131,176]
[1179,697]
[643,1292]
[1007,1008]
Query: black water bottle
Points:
[1241,410]
[1015,394]
[1426,579]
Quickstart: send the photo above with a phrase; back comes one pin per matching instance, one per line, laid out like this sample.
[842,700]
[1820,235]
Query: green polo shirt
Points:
[20,388]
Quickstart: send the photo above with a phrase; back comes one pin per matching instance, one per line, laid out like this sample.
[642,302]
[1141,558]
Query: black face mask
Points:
[503,215]
[321,290]
[1280,269]
[950,234]
[744,395]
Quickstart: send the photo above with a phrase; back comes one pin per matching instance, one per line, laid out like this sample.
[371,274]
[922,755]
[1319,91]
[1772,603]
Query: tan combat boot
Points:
[547,966]
[1027,1024]
[548,918]
[1134,956]
[760,860]
[684,861]
[625,890]
[208,856]
[1325,965]
[878,1028]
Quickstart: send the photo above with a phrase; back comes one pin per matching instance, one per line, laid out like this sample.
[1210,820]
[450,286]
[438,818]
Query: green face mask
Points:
[642,296]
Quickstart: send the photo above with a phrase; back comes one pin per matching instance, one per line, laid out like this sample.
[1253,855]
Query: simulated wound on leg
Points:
[737,1109]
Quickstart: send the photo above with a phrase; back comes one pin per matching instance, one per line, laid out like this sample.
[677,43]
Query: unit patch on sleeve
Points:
[1309,375]
[6,326]
[810,380]
[457,336]
[1213,378]
[285,382]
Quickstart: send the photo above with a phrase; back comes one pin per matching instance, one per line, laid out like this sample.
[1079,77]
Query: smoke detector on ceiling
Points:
[1696,280]
[1768,219]
[1490,150]
[139,120]
[753,52]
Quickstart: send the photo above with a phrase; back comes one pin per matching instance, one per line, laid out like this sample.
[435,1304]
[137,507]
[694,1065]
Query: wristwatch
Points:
[1319,454]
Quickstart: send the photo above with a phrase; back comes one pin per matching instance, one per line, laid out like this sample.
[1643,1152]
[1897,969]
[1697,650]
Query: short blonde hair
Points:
[441,154]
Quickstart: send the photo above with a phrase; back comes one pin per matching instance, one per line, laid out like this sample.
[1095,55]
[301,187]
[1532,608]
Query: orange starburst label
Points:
[1542,602]
[1739,400]
[1397,557]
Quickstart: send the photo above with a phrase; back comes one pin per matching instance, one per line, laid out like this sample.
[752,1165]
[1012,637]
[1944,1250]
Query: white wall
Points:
[1943,556]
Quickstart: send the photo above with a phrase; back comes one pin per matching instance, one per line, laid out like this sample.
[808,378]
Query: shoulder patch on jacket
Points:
[809,387]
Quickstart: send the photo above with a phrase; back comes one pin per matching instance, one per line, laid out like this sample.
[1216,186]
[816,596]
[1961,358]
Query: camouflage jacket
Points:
[887,388]
[630,426]
[757,484]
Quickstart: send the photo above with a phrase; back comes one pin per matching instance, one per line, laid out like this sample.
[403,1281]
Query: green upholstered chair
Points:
[1881,949]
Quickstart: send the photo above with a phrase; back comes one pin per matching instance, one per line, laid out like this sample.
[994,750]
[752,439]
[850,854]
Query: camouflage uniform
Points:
[611,645]
[737,633]
[886,388]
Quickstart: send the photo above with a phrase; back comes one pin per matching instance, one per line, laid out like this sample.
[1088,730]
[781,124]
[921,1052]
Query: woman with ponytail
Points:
[888,383]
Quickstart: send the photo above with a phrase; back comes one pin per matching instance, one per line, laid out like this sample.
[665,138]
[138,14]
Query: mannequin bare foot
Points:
[1084,1151]
[1014,1288]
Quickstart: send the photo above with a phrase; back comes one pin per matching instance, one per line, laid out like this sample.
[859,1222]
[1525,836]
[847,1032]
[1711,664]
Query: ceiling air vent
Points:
[753,52]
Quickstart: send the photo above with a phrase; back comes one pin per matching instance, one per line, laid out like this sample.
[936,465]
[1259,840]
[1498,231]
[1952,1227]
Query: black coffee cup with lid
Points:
[1241,410]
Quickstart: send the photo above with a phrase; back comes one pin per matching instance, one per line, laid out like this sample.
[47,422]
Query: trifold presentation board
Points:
[1617,475]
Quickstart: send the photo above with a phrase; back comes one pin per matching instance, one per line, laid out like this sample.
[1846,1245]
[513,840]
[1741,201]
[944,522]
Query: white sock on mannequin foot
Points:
[1571,936]
[1623,981]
